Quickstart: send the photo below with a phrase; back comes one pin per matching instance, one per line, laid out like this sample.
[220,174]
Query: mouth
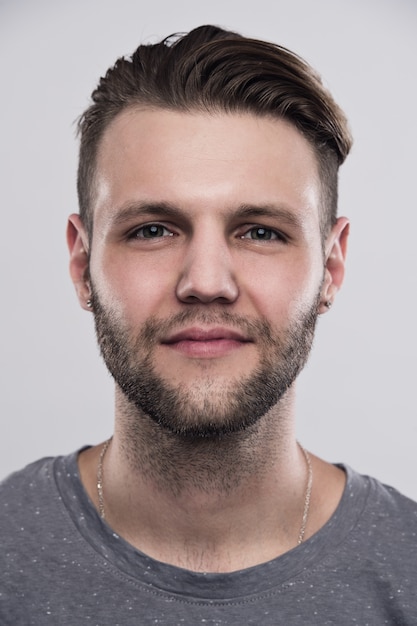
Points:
[206,342]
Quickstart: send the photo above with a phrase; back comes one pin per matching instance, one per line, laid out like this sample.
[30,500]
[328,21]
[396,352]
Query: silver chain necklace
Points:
[100,478]
[307,496]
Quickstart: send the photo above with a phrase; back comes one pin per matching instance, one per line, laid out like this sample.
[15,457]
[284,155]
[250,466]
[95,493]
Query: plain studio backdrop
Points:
[357,395]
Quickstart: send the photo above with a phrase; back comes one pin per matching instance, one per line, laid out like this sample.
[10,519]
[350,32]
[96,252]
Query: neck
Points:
[212,504]
[216,465]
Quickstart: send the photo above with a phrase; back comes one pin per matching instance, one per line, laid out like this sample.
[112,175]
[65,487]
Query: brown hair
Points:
[210,69]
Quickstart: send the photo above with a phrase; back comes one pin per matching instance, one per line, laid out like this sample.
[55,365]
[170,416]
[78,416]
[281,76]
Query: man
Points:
[206,247]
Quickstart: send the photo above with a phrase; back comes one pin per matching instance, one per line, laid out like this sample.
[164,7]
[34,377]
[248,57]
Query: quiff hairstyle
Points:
[214,70]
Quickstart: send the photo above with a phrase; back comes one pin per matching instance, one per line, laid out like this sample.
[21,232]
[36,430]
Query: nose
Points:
[207,274]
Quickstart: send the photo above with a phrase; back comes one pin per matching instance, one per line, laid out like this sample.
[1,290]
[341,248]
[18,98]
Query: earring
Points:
[89,303]
[328,304]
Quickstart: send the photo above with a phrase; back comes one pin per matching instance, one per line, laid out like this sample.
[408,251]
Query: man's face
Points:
[206,263]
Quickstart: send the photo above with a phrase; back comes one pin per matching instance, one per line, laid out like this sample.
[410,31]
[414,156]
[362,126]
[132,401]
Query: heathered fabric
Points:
[61,565]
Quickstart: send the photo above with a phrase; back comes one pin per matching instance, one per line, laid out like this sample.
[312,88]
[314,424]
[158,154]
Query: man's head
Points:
[211,253]
[213,70]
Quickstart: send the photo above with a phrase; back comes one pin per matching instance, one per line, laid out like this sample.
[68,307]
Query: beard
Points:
[207,407]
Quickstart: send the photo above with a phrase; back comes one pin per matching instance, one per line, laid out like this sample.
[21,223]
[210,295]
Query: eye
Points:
[260,233]
[151,231]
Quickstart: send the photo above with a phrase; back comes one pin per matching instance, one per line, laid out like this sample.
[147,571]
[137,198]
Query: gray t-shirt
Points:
[60,564]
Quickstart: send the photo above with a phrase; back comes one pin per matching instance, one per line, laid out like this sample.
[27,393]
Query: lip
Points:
[206,334]
[200,342]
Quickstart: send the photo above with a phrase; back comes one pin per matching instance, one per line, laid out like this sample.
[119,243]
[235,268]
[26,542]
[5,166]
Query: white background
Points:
[357,395]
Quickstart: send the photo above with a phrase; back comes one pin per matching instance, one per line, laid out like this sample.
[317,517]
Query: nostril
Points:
[197,290]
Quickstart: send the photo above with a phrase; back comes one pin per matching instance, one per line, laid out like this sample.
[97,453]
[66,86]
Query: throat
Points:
[198,502]
[208,527]
[216,462]
[216,465]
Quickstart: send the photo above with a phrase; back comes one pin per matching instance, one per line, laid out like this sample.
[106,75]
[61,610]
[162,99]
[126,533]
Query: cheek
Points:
[283,291]
[133,288]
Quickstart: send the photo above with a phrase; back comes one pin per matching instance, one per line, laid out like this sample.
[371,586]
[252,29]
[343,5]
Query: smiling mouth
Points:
[206,343]
[206,334]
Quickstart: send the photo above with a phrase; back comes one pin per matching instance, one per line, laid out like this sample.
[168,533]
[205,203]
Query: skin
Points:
[218,178]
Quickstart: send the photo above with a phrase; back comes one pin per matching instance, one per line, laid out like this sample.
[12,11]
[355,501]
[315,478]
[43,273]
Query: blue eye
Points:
[260,233]
[151,231]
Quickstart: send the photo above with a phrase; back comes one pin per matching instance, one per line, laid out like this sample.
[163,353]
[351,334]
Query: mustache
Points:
[253,328]
[155,328]
[257,329]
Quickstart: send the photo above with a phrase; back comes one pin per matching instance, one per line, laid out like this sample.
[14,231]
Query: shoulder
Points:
[24,484]
[24,495]
[384,524]
[27,498]
[385,503]
[30,496]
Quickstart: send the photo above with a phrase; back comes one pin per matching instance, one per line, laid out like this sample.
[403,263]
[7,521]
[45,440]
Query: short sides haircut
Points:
[214,70]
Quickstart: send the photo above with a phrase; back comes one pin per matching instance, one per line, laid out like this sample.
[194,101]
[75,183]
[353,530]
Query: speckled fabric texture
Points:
[61,565]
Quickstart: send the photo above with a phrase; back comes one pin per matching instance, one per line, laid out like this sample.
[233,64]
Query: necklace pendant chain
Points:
[100,479]
[307,497]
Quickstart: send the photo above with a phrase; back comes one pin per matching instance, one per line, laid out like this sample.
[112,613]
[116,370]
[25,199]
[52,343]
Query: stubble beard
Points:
[204,409]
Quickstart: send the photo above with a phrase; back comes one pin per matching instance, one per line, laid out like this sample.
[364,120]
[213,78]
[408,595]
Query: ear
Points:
[335,257]
[77,241]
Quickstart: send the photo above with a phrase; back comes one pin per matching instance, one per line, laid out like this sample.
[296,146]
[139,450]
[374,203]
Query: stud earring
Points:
[89,303]
[328,304]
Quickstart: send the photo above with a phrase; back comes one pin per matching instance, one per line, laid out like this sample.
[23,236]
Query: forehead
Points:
[204,160]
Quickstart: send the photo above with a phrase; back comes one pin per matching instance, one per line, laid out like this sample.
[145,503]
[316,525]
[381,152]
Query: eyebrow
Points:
[133,210]
[164,209]
[281,212]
